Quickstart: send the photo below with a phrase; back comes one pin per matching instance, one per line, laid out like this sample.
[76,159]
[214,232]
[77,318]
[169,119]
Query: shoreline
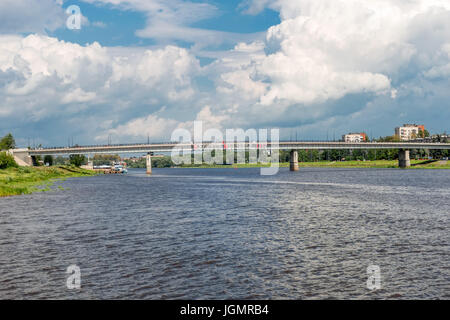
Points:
[27,180]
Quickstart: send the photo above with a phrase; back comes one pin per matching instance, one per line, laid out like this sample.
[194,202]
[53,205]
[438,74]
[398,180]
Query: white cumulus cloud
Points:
[31,15]
[326,50]
[46,75]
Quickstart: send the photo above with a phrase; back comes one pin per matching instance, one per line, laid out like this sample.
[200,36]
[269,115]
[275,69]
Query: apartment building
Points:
[354,137]
[409,131]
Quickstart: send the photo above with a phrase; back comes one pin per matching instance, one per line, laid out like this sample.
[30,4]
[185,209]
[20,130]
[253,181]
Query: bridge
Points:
[28,156]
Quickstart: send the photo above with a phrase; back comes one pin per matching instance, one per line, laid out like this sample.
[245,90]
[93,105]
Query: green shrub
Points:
[7,161]
[77,160]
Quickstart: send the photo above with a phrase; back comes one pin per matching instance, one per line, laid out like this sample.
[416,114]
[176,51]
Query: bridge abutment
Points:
[22,157]
[149,164]
[403,159]
[294,160]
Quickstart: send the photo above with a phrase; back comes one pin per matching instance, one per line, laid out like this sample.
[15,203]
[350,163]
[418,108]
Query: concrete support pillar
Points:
[149,163]
[294,160]
[403,159]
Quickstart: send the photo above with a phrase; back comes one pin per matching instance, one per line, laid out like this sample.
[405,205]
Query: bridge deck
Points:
[168,147]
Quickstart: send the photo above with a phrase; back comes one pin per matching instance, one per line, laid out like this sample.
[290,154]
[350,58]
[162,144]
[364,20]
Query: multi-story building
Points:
[354,137]
[409,131]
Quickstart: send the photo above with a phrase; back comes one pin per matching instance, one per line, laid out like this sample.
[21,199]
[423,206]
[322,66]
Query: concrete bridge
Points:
[27,156]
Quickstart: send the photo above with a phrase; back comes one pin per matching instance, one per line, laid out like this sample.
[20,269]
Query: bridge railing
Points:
[280,142]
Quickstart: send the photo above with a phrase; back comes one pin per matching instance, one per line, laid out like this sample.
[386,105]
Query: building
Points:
[354,137]
[409,131]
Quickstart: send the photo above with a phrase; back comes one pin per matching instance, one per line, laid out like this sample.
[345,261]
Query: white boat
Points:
[120,168]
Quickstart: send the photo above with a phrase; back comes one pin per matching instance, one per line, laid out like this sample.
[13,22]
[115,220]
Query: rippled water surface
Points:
[231,234]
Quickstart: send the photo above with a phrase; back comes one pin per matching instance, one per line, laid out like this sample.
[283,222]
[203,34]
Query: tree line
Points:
[360,155]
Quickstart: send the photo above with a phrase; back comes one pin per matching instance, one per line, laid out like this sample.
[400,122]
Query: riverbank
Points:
[25,180]
[380,164]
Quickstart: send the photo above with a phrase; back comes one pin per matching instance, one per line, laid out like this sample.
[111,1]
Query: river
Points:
[231,234]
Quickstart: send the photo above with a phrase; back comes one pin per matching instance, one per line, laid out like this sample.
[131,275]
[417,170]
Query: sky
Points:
[139,69]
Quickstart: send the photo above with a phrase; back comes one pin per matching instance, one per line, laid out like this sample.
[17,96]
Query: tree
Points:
[284,156]
[60,160]
[77,159]
[394,138]
[105,159]
[7,142]
[302,156]
[165,162]
[314,155]
[48,159]
[358,154]
[437,154]
[7,161]
[372,155]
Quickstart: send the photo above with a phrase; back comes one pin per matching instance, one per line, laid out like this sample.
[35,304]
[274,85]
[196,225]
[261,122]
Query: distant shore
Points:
[26,180]
[415,164]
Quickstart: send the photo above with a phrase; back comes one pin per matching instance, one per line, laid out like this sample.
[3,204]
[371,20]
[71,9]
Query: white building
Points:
[409,131]
[354,137]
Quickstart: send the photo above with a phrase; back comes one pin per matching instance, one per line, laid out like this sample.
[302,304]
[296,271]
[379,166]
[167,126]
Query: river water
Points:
[231,234]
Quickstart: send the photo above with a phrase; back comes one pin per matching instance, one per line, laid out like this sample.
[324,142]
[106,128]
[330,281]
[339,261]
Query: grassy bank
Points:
[415,164]
[25,180]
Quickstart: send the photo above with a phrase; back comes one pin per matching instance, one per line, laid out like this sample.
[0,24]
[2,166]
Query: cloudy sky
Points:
[139,68]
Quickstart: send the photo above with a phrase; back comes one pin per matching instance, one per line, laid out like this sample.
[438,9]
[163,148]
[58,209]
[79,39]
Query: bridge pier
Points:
[403,159]
[294,160]
[149,163]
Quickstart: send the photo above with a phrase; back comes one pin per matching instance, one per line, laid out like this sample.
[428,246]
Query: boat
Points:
[119,167]
[116,167]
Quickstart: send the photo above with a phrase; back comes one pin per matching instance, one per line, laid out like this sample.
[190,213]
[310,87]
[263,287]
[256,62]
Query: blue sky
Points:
[138,68]
[118,30]
[120,25]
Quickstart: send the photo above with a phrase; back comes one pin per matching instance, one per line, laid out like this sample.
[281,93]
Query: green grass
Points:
[25,180]
[415,164]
